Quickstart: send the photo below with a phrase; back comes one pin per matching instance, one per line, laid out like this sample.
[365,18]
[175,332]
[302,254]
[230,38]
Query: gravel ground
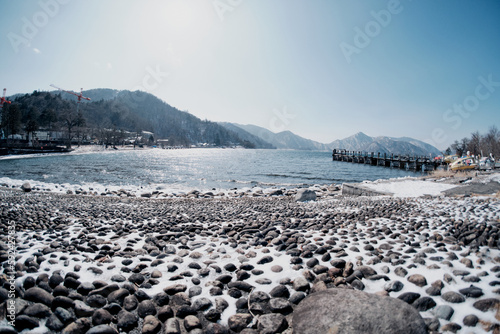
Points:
[223,265]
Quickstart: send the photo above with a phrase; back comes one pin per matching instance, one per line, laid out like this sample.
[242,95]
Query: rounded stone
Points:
[417,279]
[373,314]
[453,297]
[470,320]
[272,323]
[191,322]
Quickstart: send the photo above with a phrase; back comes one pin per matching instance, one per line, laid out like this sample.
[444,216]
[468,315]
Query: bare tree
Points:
[473,145]
[71,120]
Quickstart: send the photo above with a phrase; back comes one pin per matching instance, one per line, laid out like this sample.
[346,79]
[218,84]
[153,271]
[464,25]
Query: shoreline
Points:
[205,247]
[449,184]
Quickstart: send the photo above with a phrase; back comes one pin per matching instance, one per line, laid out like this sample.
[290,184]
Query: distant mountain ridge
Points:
[382,144]
[282,140]
[357,142]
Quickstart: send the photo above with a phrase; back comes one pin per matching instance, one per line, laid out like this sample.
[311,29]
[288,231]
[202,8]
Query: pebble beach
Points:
[242,264]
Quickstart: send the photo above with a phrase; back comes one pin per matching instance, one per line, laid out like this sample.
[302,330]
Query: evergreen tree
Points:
[31,123]
[11,119]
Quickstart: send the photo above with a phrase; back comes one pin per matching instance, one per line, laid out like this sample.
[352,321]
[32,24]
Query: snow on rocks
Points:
[245,264]
[409,188]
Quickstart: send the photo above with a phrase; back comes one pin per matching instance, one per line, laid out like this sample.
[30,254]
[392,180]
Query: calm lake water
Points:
[187,169]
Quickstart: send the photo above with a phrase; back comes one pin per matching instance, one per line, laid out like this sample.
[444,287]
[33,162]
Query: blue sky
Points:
[322,69]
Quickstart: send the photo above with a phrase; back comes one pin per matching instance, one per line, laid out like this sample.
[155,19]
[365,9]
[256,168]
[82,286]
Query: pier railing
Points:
[414,162]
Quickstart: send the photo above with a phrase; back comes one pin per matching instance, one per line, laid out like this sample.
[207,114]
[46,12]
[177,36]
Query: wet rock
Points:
[373,314]
[78,326]
[280,305]
[417,279]
[279,291]
[25,322]
[301,284]
[423,304]
[95,301]
[393,286]
[366,271]
[83,310]
[224,279]
[239,321]
[487,304]
[472,291]
[54,323]
[202,304]
[173,289]
[38,295]
[240,285]
[444,312]
[433,291]
[55,280]
[453,297]
[126,321]
[356,284]
[130,303]
[145,308]
[37,310]
[101,317]
[136,279]
[432,324]
[191,322]
[212,315]
[64,315]
[102,329]
[470,320]
[185,310]
[165,312]
[105,290]
[26,187]
[265,259]
[161,299]
[400,271]
[118,296]
[172,326]
[451,327]
[297,297]
[151,325]
[272,323]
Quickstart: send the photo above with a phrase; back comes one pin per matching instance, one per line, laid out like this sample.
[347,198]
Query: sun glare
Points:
[177,23]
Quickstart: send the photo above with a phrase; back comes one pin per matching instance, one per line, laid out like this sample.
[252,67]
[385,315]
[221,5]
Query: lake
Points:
[187,169]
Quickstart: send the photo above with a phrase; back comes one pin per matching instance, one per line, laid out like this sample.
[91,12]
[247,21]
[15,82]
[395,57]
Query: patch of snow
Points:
[410,188]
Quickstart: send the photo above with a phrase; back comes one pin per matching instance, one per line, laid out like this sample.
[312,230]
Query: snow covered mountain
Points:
[281,140]
[382,144]
[357,142]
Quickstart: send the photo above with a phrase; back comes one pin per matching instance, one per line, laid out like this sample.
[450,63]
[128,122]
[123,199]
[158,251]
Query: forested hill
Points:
[128,111]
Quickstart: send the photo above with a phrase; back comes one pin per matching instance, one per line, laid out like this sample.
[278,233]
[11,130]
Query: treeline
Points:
[112,120]
[29,113]
[478,144]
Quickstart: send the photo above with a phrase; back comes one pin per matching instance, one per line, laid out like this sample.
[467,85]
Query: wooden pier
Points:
[417,163]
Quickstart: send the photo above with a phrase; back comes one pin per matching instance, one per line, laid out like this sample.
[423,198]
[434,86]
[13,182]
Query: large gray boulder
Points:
[305,195]
[26,187]
[353,311]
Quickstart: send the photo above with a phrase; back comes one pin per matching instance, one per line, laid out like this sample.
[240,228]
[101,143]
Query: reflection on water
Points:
[194,168]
